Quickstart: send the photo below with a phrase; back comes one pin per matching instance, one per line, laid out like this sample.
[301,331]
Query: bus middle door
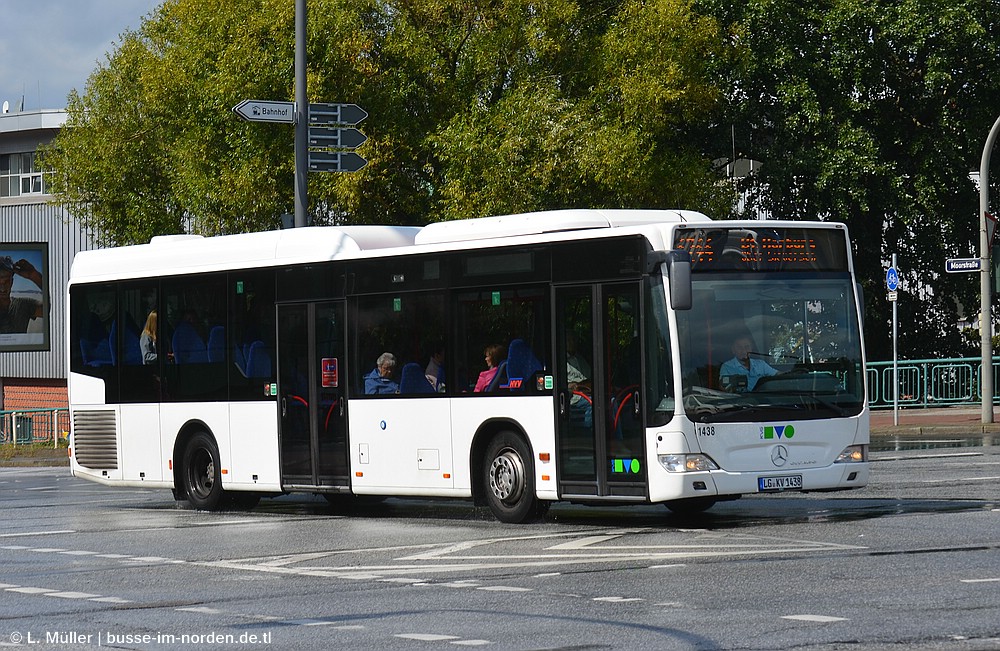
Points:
[313,427]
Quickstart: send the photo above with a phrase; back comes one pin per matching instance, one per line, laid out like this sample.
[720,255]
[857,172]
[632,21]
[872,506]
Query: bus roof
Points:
[170,254]
[553,221]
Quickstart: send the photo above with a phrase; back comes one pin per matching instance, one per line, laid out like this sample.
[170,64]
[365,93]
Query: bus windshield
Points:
[760,347]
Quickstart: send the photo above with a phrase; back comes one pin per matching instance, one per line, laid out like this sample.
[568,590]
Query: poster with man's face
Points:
[24,296]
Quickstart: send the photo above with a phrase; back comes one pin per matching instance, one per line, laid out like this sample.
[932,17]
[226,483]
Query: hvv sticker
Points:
[777,432]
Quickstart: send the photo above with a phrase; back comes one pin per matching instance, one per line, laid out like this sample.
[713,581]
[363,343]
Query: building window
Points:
[19,175]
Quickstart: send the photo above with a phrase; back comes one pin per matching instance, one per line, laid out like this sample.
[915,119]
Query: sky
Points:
[48,47]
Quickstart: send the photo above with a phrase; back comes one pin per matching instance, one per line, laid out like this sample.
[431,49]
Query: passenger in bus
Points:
[742,365]
[147,340]
[493,355]
[580,382]
[379,381]
[435,368]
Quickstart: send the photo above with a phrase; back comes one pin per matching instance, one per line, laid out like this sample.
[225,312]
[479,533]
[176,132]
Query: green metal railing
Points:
[25,426]
[929,382]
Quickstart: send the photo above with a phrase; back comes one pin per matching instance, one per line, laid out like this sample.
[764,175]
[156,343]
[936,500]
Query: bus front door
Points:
[311,395]
[598,370]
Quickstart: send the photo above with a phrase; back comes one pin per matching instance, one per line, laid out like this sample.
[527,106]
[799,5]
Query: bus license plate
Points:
[784,483]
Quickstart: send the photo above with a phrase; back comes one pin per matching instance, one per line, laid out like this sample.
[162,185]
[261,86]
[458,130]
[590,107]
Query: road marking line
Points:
[504,588]
[78,552]
[111,600]
[471,642]
[4,586]
[618,600]
[426,637]
[583,543]
[980,580]
[815,618]
[72,595]
[205,610]
[27,590]
[48,550]
[35,533]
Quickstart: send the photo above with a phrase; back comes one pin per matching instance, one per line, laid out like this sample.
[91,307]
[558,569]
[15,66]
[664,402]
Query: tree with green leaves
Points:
[874,113]
[475,108]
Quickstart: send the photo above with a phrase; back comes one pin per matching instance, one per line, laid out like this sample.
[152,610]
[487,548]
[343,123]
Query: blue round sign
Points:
[892,279]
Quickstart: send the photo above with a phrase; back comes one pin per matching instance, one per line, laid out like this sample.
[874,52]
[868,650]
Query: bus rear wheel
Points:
[509,480]
[202,470]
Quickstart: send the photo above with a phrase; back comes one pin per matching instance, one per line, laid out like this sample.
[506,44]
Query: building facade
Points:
[38,240]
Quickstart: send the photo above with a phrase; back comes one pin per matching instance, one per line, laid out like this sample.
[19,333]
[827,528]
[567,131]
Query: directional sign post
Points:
[333,138]
[326,137]
[349,114]
[963,265]
[257,110]
[335,161]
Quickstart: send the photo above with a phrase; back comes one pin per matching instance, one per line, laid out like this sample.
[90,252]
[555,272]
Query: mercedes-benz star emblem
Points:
[779,455]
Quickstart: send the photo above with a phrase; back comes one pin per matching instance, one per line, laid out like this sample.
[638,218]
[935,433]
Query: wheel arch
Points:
[186,432]
[487,430]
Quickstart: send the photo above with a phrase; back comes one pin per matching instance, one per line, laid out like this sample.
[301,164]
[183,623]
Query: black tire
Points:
[509,479]
[202,473]
[691,505]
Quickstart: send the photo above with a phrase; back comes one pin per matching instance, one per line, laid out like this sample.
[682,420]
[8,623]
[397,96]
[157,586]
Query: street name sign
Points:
[334,138]
[963,265]
[335,161]
[258,110]
[349,114]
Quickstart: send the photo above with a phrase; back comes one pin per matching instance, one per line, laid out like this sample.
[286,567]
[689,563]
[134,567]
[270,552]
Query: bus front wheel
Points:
[509,480]
[202,484]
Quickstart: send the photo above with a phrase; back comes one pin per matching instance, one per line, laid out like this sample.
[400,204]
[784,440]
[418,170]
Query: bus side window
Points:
[408,325]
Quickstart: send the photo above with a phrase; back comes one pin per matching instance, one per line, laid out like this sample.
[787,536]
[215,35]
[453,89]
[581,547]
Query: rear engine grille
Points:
[94,442]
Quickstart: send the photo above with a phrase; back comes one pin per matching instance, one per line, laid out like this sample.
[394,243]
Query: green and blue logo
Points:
[625,466]
[777,432]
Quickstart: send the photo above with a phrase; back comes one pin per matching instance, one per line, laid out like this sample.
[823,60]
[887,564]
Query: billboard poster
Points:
[24,296]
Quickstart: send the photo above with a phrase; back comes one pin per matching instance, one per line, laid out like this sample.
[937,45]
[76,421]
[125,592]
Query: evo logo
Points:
[777,432]
[625,466]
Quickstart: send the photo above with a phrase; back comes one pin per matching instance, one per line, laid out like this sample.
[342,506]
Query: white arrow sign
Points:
[256,110]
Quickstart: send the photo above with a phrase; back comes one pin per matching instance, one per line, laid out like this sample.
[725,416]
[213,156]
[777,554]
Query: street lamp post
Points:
[985,313]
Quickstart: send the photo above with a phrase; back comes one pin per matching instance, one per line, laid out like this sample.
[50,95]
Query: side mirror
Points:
[679,276]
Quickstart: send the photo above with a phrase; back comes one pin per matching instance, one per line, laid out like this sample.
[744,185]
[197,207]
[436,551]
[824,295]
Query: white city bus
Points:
[234,367]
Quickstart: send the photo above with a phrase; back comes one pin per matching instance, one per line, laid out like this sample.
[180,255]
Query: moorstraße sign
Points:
[963,265]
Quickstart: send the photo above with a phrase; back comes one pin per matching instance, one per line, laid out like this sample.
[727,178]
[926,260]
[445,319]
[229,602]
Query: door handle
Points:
[562,403]
[284,407]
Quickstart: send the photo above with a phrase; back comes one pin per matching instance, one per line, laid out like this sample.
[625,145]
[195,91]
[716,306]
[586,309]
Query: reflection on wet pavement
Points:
[916,442]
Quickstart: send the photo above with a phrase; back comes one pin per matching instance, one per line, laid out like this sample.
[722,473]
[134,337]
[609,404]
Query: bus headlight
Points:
[686,462]
[853,454]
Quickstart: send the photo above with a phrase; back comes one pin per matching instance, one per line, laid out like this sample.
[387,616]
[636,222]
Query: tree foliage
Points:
[475,108]
[873,113]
